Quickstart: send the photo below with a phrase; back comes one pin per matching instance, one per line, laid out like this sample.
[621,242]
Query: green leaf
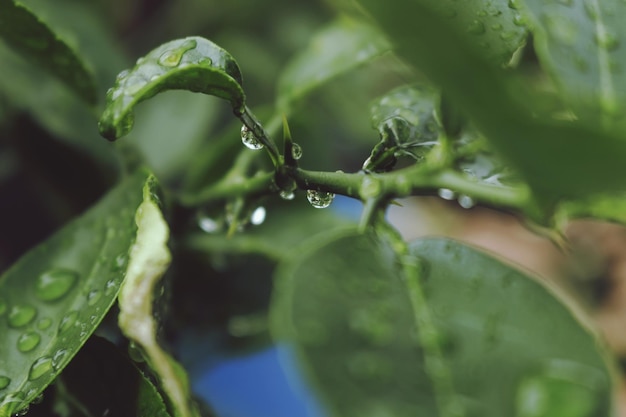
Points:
[100,364]
[405,120]
[32,38]
[149,259]
[336,49]
[554,157]
[192,63]
[444,331]
[55,296]
[580,42]
[496,28]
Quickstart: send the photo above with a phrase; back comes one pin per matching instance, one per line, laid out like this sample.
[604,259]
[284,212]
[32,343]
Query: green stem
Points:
[259,184]
[248,119]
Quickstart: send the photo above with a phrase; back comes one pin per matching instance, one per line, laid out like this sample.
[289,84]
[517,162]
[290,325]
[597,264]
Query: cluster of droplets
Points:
[211,225]
[464,201]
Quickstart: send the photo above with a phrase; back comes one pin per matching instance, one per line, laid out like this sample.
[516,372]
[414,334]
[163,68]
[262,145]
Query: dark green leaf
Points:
[444,330]
[405,120]
[580,42]
[192,63]
[336,49]
[101,381]
[32,38]
[55,296]
[500,108]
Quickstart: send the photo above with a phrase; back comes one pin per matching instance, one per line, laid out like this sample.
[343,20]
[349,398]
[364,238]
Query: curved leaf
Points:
[336,49]
[445,331]
[192,63]
[55,296]
[581,44]
[32,38]
[100,364]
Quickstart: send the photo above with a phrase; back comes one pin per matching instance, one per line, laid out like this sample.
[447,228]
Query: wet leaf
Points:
[149,259]
[193,64]
[33,39]
[336,49]
[444,331]
[580,43]
[55,296]
[101,381]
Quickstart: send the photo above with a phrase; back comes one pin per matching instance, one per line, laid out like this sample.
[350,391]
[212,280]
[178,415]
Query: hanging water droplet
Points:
[446,194]
[296,151]
[5,381]
[55,284]
[22,412]
[93,296]
[209,225]
[68,321]
[249,139]
[3,307]
[44,323]
[319,199]
[258,216]
[40,367]
[466,201]
[21,315]
[58,359]
[173,57]
[476,27]
[28,341]
[606,40]
[287,195]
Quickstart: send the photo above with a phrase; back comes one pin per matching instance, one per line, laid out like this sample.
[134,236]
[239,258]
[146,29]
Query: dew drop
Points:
[133,88]
[3,307]
[258,216]
[287,195]
[40,367]
[446,194]
[28,341]
[110,287]
[296,151]
[55,284]
[206,61]
[370,187]
[173,57]
[208,225]
[93,297]
[68,321]
[58,359]
[122,75]
[22,412]
[21,315]
[466,201]
[44,323]
[249,139]
[319,199]
[4,382]
[476,27]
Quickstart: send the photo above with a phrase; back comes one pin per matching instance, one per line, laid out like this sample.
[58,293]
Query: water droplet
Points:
[287,195]
[132,88]
[68,321]
[370,187]
[258,216]
[296,151]
[122,75]
[319,199]
[466,201]
[209,225]
[370,365]
[4,382]
[110,287]
[21,315]
[173,57]
[606,40]
[93,297]
[22,412]
[40,367]
[28,341]
[55,284]
[476,27]
[37,400]
[249,139]
[44,323]
[446,194]
[3,307]
[206,61]
[59,358]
